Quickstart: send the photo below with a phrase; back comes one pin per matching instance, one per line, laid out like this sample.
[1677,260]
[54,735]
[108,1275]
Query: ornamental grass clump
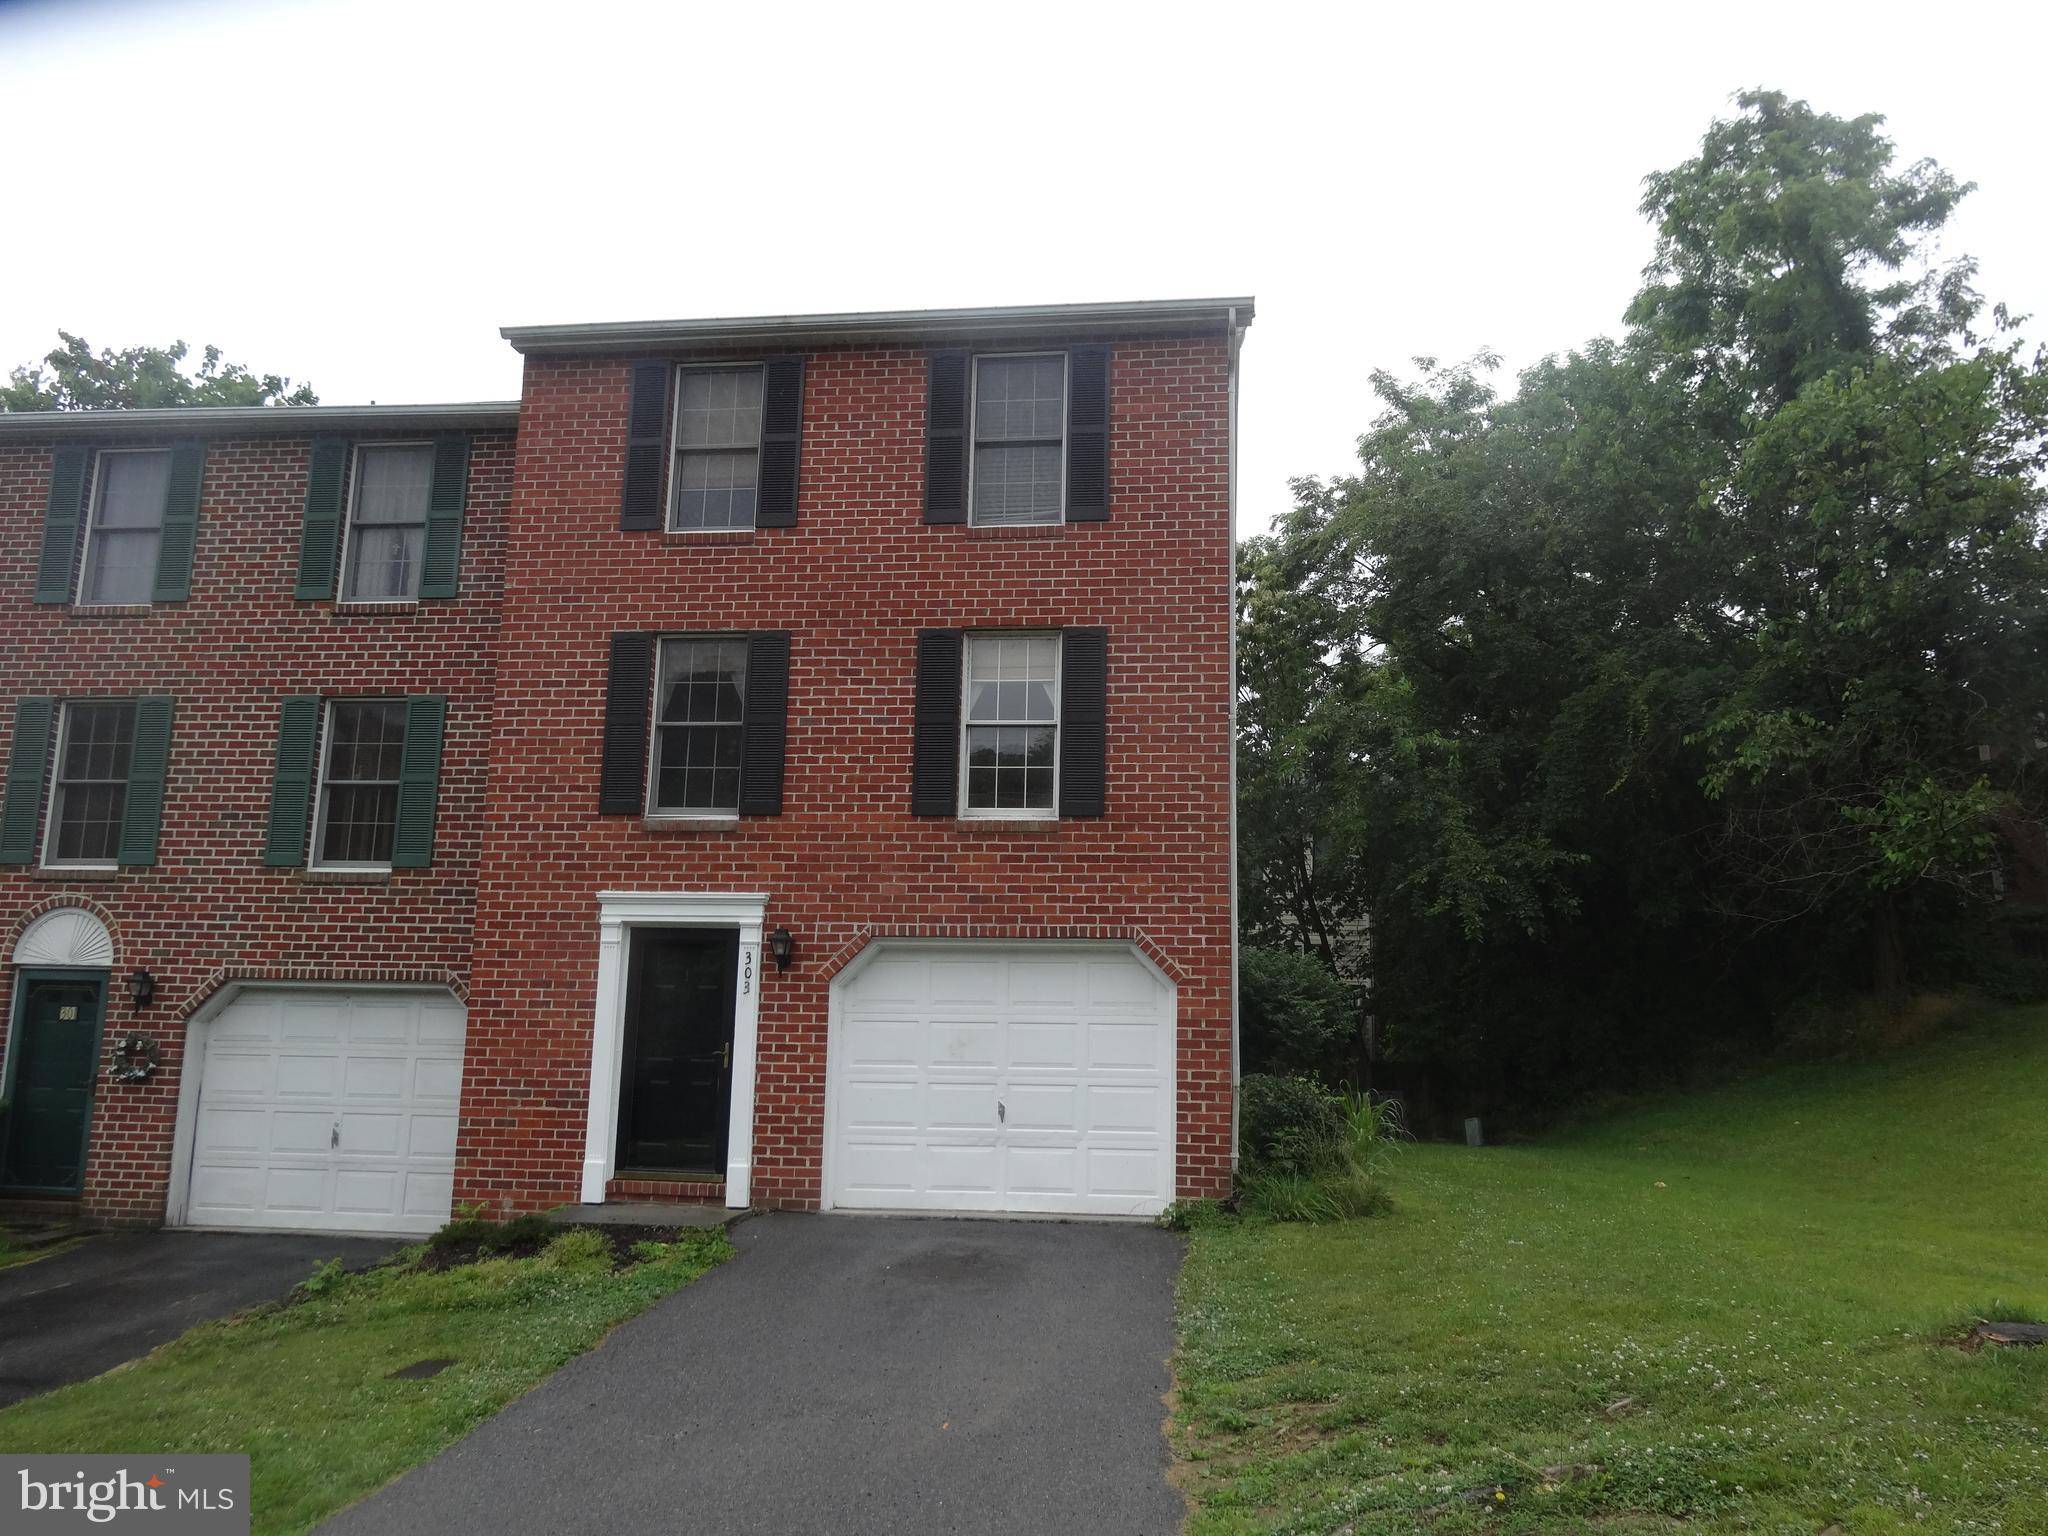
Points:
[1308,1154]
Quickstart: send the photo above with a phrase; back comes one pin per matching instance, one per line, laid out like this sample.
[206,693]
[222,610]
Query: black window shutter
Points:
[419,782]
[28,759]
[181,525]
[935,744]
[291,781]
[441,566]
[764,736]
[142,817]
[628,697]
[70,470]
[640,500]
[782,435]
[945,438]
[1088,435]
[1084,710]
[320,527]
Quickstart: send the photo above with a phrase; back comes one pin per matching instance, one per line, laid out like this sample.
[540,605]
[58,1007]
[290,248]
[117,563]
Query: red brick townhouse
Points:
[855,698]
[245,689]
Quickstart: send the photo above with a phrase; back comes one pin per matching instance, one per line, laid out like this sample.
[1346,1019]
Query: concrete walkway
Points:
[845,1375]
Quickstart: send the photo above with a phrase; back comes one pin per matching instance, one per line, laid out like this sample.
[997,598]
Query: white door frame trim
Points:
[834,1008]
[618,912]
[192,1064]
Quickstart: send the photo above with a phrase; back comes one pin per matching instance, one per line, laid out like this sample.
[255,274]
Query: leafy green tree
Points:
[1298,1017]
[1692,675]
[72,377]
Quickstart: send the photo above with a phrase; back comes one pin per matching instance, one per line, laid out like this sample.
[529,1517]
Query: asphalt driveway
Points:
[120,1294]
[845,1375]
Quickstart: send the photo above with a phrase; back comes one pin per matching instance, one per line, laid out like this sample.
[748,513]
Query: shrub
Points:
[580,1248]
[1281,1120]
[1320,1156]
[1296,1016]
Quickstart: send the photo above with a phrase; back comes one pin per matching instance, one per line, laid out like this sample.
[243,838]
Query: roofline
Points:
[254,420]
[1007,322]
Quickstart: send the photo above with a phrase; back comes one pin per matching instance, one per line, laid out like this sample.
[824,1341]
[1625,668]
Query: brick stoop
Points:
[671,1191]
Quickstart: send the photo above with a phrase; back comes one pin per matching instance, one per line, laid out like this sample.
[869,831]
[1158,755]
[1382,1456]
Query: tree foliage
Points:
[72,377]
[1694,674]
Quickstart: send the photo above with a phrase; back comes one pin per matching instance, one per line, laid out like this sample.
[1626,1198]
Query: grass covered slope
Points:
[306,1388]
[1725,1313]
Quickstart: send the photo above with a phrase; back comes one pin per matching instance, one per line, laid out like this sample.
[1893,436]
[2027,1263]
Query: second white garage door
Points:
[1025,1077]
[328,1110]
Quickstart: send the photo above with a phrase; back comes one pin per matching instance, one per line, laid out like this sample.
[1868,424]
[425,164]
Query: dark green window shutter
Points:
[945,438]
[628,699]
[1084,712]
[291,782]
[935,733]
[181,524]
[70,470]
[27,761]
[443,561]
[320,529]
[419,782]
[782,437]
[1088,435]
[764,733]
[146,764]
[640,496]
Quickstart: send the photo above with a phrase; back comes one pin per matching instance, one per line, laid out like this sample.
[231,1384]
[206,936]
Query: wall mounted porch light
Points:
[141,989]
[781,946]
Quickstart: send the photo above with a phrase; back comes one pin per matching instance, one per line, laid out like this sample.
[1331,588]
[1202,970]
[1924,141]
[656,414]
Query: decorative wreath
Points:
[135,1059]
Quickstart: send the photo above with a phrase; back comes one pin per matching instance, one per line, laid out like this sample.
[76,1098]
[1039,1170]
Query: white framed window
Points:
[384,540]
[1010,725]
[1018,445]
[717,449]
[89,791]
[362,748]
[130,489]
[700,701]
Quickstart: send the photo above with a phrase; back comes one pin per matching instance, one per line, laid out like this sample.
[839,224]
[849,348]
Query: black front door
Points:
[56,1048]
[675,1084]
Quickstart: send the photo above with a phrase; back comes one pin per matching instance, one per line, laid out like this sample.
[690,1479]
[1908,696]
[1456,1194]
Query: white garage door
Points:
[329,1110]
[1019,1078]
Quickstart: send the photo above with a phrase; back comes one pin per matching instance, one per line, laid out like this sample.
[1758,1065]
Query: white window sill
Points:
[710,535]
[76,872]
[966,823]
[1015,530]
[671,821]
[360,874]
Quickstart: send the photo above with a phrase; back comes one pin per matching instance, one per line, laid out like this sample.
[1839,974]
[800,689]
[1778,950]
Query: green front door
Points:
[51,1060]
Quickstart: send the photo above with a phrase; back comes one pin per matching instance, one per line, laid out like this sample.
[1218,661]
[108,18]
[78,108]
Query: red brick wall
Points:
[210,907]
[854,581]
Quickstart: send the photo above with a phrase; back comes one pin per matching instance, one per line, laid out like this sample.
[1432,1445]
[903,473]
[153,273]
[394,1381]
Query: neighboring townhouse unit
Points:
[832,804]
[246,702]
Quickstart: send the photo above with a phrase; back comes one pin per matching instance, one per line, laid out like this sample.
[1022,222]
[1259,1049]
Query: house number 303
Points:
[746,972]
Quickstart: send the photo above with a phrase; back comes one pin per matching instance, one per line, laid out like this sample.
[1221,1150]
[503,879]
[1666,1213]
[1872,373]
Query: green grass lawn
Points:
[306,1389]
[1724,1313]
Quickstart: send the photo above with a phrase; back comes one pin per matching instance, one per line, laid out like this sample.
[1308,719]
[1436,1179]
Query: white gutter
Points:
[255,420]
[1009,322]
[1236,340]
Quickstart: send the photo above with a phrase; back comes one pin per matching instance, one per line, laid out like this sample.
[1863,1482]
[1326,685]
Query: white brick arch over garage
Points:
[1026,1076]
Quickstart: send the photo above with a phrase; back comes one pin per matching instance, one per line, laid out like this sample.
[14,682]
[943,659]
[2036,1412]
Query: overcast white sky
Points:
[361,194]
